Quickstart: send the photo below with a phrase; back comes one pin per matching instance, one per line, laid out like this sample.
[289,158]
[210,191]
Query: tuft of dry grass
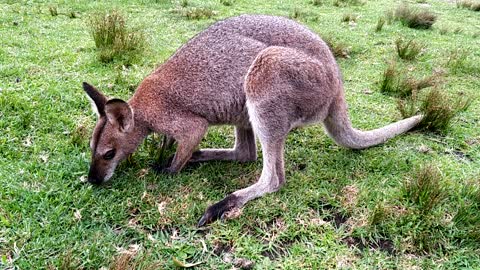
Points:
[414,18]
[438,109]
[72,15]
[299,14]
[195,13]
[184,3]
[349,17]
[227,3]
[123,262]
[389,82]
[53,10]
[408,50]
[394,83]
[469,4]
[343,3]
[113,39]
[380,24]
[339,49]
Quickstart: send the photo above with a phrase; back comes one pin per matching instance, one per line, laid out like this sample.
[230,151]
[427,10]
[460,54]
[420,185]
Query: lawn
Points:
[411,203]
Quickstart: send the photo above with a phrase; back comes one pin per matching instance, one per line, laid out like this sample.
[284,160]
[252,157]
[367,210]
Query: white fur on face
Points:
[110,172]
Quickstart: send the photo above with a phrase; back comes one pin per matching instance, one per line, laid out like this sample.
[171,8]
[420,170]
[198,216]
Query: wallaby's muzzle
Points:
[93,176]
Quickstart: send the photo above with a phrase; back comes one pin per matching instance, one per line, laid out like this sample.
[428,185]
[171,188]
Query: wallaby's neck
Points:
[141,127]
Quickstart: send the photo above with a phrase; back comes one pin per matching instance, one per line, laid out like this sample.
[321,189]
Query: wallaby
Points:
[263,74]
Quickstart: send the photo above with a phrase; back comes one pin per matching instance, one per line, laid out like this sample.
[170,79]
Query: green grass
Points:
[339,209]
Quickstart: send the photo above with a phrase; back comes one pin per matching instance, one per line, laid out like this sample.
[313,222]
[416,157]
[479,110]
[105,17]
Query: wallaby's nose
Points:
[94,180]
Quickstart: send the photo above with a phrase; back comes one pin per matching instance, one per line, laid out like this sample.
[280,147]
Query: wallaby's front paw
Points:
[226,207]
[162,169]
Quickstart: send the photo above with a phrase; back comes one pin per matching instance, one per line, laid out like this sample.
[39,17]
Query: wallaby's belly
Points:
[210,69]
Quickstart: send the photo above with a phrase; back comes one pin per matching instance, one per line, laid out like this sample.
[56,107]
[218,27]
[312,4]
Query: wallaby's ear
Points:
[97,99]
[119,114]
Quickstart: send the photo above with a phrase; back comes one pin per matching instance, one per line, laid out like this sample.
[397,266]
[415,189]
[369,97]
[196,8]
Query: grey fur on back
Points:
[209,70]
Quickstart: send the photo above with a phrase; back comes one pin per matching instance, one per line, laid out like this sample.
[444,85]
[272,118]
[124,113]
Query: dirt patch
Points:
[384,245]
[459,155]
[222,247]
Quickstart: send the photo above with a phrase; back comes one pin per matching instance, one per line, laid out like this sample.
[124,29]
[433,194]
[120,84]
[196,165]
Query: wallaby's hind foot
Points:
[271,179]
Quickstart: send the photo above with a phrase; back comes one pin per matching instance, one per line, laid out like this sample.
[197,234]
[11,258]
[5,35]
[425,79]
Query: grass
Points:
[339,208]
[437,107]
[396,83]
[380,24]
[408,50]
[114,41]
[338,48]
[349,17]
[469,4]
[414,18]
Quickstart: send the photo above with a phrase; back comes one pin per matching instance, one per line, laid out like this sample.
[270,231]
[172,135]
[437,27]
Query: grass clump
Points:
[413,18]
[414,221]
[195,13]
[227,3]
[394,83]
[299,14]
[424,189]
[53,10]
[317,2]
[343,3]
[390,79]
[459,62]
[468,214]
[468,4]
[113,39]
[438,109]
[380,24]
[338,49]
[349,17]
[408,50]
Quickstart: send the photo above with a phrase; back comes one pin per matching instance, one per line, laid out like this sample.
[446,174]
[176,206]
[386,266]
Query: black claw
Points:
[164,167]
[217,210]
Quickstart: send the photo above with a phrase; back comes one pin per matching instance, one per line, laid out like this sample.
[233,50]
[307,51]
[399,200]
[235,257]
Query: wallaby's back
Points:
[206,75]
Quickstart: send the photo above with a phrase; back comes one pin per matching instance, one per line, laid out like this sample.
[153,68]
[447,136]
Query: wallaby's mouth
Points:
[94,180]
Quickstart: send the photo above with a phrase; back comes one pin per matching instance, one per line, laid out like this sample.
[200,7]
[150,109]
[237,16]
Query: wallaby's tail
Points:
[339,127]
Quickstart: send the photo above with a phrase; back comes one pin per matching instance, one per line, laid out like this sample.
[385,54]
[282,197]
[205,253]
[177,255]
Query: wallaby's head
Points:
[111,141]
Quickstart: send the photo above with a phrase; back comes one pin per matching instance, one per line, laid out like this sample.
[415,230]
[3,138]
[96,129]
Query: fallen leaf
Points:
[77,214]
[132,249]
[44,158]
[243,263]
[161,207]
[178,263]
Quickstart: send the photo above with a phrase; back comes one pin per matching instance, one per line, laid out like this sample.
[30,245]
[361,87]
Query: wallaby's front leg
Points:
[188,137]
[244,150]
[271,179]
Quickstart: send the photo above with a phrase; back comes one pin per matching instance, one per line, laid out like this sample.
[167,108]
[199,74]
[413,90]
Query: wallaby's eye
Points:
[109,155]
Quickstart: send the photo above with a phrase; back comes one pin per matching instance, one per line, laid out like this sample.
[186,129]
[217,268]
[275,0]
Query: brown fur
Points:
[290,79]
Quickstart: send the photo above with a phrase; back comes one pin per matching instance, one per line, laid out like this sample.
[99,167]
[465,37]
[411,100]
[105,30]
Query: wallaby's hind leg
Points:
[271,179]
[243,151]
[271,130]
